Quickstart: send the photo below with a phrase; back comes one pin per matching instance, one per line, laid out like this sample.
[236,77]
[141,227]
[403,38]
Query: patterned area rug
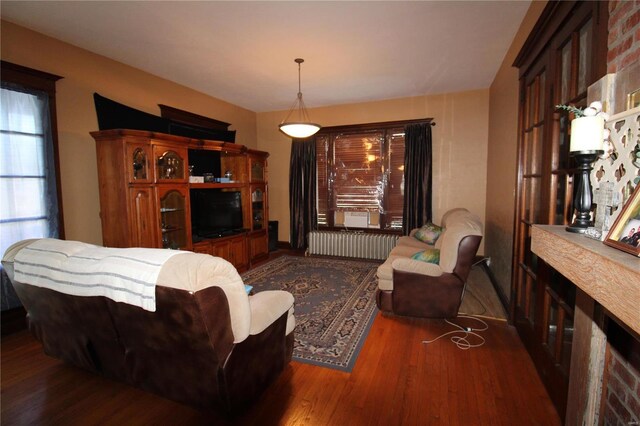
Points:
[334,305]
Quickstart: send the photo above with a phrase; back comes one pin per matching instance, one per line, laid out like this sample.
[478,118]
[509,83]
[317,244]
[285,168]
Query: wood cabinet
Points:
[233,249]
[145,192]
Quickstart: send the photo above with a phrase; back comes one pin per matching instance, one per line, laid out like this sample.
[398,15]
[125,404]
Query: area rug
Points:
[334,305]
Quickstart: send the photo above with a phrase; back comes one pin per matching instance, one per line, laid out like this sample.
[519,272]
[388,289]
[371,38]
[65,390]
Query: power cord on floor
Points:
[462,341]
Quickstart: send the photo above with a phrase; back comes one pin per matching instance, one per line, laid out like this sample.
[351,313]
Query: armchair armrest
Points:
[268,306]
[417,267]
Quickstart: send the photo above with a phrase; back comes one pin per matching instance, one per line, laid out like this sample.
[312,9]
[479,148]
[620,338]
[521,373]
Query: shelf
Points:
[170,210]
[216,185]
[167,230]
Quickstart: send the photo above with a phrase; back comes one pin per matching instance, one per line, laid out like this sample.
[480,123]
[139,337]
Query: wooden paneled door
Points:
[565,53]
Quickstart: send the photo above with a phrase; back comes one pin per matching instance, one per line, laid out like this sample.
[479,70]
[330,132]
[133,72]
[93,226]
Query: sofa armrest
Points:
[268,306]
[416,267]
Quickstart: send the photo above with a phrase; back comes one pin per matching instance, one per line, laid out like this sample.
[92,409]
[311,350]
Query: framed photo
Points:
[625,232]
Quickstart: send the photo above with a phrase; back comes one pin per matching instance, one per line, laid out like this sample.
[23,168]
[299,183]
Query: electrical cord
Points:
[462,341]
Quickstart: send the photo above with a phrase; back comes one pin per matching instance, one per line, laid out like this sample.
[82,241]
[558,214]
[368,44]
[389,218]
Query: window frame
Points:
[331,133]
[45,82]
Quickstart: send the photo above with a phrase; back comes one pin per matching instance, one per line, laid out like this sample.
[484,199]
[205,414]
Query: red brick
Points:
[619,12]
[612,6]
[618,407]
[610,417]
[612,67]
[616,386]
[620,369]
[614,34]
[636,35]
[622,47]
[634,407]
[631,22]
[630,58]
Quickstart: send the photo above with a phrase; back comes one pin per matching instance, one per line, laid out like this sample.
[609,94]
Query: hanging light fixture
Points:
[300,126]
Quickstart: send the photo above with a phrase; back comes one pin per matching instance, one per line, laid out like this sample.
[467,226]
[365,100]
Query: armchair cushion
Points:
[428,255]
[428,233]
[267,307]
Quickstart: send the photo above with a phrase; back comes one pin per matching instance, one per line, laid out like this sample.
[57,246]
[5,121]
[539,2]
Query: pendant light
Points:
[300,126]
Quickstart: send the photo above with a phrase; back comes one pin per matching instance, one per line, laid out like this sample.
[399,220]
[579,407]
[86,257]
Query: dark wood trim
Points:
[13,320]
[190,118]
[285,245]
[29,78]
[46,82]
[373,126]
[543,31]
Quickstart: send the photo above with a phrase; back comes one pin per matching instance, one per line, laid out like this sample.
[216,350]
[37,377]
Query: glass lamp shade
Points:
[299,130]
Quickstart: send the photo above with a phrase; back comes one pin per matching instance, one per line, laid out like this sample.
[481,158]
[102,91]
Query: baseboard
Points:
[13,320]
[286,245]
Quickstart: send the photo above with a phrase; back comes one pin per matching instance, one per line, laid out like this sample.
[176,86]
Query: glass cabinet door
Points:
[138,157]
[170,164]
[257,170]
[257,209]
[173,219]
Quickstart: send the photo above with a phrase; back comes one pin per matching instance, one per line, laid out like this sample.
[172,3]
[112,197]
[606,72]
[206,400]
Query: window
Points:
[29,205]
[360,172]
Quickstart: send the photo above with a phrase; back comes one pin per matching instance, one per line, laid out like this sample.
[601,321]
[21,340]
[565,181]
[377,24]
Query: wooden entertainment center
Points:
[145,193]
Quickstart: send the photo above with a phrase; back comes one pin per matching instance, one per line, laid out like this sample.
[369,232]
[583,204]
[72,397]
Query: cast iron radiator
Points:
[351,244]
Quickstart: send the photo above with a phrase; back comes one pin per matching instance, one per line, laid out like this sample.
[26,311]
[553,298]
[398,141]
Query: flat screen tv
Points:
[215,213]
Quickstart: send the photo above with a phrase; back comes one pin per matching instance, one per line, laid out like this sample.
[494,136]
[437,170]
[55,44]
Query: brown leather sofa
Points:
[208,344]
[415,288]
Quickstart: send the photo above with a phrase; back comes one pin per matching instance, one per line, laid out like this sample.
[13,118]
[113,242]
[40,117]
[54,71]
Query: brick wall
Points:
[622,396]
[622,403]
[624,34]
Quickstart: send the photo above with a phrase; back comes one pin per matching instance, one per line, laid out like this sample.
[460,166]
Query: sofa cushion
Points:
[429,256]
[409,241]
[428,233]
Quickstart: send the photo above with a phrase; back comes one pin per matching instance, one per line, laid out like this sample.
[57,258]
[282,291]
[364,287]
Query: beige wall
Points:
[502,158]
[85,73]
[460,140]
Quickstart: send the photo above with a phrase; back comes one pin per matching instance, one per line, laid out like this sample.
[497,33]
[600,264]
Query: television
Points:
[215,213]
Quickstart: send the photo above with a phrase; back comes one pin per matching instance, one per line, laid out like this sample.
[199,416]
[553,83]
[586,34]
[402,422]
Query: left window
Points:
[29,185]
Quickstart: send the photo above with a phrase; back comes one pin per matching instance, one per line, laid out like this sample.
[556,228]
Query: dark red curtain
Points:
[302,191]
[417,176]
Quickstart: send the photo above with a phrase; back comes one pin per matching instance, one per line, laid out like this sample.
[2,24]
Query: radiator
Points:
[351,244]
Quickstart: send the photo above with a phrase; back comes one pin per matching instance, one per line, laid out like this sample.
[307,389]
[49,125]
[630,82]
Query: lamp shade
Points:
[299,130]
[587,134]
[303,127]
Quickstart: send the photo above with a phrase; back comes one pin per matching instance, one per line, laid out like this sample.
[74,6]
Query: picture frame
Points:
[625,233]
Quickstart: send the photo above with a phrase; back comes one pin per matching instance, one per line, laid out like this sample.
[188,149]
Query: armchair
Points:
[416,288]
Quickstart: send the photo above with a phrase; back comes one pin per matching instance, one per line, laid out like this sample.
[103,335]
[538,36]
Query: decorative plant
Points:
[594,109]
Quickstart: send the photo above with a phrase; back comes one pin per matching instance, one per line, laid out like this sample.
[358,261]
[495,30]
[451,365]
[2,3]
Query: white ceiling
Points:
[243,51]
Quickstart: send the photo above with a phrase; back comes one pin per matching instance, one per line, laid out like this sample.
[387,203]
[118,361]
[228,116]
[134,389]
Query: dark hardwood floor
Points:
[397,380]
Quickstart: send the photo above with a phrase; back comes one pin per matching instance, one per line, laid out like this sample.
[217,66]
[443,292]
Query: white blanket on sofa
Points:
[126,275]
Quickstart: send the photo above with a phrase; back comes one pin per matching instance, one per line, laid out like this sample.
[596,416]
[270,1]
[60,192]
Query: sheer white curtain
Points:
[28,201]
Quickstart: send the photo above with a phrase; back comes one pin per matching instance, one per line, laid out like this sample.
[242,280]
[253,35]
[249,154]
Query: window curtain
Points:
[28,196]
[302,191]
[417,176]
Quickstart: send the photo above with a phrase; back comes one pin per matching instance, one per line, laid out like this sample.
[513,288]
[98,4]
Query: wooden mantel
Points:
[610,277]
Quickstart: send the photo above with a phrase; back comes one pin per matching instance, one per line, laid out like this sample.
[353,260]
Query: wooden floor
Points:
[396,380]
